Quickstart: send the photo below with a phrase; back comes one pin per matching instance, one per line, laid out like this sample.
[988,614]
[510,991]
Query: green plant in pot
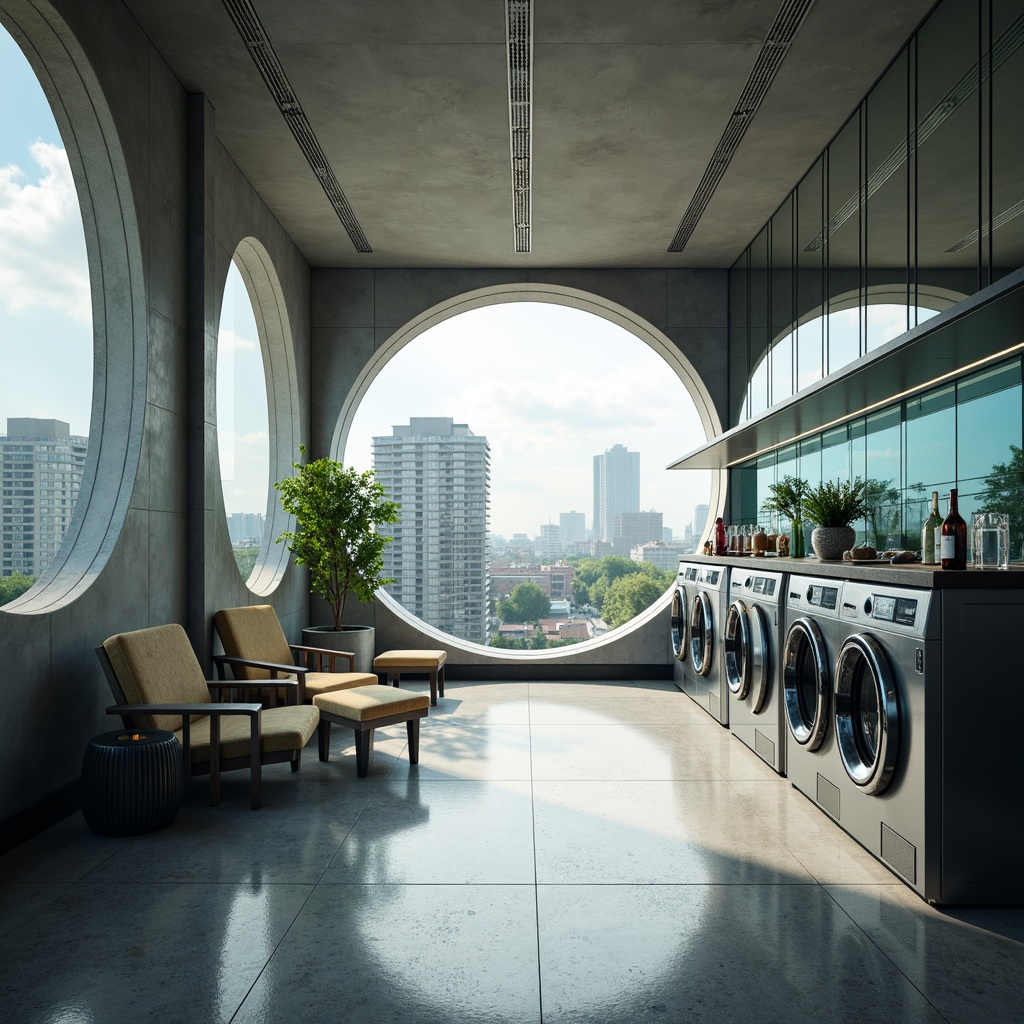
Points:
[337,510]
[786,499]
[833,507]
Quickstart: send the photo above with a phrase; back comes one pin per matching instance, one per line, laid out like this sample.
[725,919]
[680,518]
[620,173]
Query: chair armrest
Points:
[317,654]
[271,666]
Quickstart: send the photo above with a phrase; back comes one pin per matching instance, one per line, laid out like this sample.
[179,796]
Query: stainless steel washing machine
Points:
[913,746]
[814,633]
[707,612]
[680,624]
[752,643]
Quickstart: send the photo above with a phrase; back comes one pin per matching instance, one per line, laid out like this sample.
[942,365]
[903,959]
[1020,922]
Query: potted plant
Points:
[786,499]
[833,507]
[337,510]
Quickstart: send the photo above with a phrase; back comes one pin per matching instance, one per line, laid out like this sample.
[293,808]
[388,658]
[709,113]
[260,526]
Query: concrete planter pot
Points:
[358,639]
[829,542]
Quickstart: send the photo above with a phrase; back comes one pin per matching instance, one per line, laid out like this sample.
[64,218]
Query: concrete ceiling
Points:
[409,101]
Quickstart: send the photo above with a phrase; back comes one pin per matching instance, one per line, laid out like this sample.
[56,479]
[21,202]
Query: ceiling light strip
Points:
[1004,218]
[769,60]
[519,46]
[250,28]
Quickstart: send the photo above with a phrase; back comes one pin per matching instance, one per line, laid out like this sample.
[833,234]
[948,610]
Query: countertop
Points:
[906,575]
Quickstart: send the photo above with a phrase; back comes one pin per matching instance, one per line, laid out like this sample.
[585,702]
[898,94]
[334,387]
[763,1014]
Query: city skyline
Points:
[549,386]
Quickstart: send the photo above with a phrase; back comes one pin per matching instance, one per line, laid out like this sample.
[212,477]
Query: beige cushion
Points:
[255,633]
[157,666]
[287,728]
[323,682]
[410,659]
[369,702]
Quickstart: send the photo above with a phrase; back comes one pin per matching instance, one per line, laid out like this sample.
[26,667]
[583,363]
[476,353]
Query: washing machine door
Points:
[806,683]
[702,633]
[867,713]
[736,642]
[680,614]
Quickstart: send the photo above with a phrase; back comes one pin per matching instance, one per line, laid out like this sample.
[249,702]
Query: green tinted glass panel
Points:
[988,423]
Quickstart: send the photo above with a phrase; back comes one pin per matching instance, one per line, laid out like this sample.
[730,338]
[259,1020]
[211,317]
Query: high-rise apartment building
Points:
[700,519]
[616,488]
[572,527]
[41,475]
[634,528]
[439,471]
[550,541]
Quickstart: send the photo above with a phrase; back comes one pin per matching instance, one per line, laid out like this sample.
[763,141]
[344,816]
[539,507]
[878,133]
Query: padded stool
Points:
[364,709]
[394,663]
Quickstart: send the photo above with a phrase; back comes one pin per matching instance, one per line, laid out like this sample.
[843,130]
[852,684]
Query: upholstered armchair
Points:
[256,649]
[158,684]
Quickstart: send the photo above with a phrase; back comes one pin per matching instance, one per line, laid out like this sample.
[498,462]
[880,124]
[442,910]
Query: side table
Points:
[132,781]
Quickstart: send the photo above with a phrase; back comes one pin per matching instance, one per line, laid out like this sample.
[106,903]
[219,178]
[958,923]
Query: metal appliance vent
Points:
[1002,50]
[769,59]
[519,44]
[828,797]
[250,28]
[764,747]
[899,854]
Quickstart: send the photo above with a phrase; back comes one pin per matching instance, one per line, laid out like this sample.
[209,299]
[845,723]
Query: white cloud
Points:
[42,245]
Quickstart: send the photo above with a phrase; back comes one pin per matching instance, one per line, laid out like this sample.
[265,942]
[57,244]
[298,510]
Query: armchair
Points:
[157,684]
[255,648]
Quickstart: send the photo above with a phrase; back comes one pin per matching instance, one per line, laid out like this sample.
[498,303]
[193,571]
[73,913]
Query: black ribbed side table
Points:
[132,781]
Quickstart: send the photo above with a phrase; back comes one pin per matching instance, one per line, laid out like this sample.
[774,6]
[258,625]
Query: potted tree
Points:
[786,499]
[833,507]
[337,510]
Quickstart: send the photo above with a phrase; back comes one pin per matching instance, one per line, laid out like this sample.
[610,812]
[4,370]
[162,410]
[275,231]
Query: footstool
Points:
[394,663]
[364,709]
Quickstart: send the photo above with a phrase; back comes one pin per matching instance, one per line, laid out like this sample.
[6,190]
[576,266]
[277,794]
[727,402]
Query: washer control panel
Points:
[893,609]
[813,594]
[766,588]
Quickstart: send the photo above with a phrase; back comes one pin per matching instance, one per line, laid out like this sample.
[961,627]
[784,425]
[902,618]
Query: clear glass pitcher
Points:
[990,541]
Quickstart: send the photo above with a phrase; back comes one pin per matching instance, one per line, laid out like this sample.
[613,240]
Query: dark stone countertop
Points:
[905,575]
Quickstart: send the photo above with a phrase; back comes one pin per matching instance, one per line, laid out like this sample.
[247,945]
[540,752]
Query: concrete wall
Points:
[355,312]
[54,692]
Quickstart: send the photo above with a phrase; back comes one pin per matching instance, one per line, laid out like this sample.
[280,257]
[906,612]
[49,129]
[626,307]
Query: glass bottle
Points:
[928,531]
[953,552]
[719,536]
[798,539]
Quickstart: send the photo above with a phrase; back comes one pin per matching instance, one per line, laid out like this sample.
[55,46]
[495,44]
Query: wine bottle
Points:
[931,526]
[953,552]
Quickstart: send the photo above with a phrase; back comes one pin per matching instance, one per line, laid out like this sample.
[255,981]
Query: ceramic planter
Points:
[829,542]
[358,639]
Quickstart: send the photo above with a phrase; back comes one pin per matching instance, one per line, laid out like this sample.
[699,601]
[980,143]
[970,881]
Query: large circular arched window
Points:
[256,423]
[527,444]
[61,328]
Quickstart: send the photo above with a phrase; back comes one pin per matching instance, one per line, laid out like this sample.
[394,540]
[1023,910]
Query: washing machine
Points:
[682,601]
[904,708]
[752,642]
[679,635]
[814,635]
[707,612]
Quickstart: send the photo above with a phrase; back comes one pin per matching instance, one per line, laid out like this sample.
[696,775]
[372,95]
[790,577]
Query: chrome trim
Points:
[679,616]
[760,659]
[736,644]
[805,632]
[873,776]
[702,633]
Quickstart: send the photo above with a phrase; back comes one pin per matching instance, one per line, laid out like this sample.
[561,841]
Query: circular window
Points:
[257,424]
[526,443]
[69,451]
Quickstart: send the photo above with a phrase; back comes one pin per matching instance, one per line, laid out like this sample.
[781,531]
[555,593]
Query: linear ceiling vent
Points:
[769,60]
[250,28]
[519,41]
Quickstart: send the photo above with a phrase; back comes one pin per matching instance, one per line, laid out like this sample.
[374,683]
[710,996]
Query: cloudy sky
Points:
[45,307]
[550,387]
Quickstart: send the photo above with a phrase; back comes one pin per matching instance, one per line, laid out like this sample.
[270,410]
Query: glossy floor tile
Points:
[562,852]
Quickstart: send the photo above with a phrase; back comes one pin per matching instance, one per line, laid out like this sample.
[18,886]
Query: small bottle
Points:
[720,548]
[953,551]
[931,526]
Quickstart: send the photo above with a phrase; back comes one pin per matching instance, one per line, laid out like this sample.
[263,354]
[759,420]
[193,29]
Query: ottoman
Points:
[430,663]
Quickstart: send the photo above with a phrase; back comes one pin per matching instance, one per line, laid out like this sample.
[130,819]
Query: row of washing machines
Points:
[898,711]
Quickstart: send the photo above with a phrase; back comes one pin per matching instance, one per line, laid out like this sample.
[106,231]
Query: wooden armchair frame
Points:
[215,711]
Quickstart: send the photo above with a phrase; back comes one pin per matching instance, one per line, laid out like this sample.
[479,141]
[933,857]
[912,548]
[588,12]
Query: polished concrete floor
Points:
[563,852]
